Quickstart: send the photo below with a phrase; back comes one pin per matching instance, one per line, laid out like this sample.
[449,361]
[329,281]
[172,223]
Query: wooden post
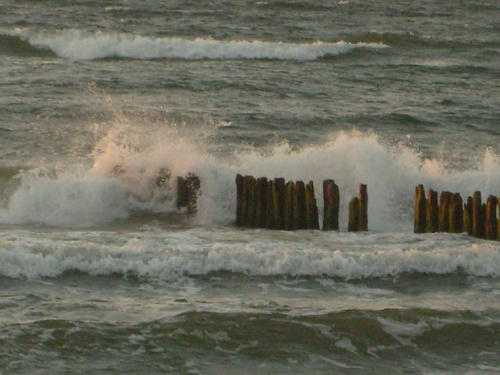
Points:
[187,192]
[468,216]
[245,200]
[270,208]
[363,208]
[420,215]
[353,215]
[299,206]
[477,215]
[491,218]
[289,205]
[279,194]
[331,203]
[456,214]
[312,221]
[251,194]
[239,200]
[444,211]
[432,212]
[261,202]
[182,200]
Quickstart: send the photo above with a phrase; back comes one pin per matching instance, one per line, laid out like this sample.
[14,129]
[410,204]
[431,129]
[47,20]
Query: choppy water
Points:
[101,274]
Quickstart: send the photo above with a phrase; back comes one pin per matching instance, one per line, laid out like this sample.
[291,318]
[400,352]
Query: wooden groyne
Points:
[276,204]
[452,215]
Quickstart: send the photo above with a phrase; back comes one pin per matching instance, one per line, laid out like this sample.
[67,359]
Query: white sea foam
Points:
[165,256]
[67,201]
[83,45]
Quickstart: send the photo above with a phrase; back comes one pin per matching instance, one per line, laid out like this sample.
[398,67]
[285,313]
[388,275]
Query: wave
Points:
[14,45]
[82,45]
[82,196]
[348,341]
[159,255]
[406,40]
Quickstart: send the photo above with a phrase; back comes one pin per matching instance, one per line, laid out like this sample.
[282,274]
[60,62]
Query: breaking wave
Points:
[83,45]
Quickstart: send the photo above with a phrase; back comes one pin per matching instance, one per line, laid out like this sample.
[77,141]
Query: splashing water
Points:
[127,162]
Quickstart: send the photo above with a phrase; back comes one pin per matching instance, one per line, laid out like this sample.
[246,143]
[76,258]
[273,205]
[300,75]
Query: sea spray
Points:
[66,201]
[127,161]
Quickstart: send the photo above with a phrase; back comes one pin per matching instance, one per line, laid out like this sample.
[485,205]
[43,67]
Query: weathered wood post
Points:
[432,212]
[419,225]
[477,215]
[279,194]
[270,214]
[251,194]
[353,225]
[312,220]
[444,211]
[331,204]
[239,200]
[245,201]
[456,214]
[187,192]
[261,202]
[468,216]
[363,208]
[299,206]
[491,218]
[289,205]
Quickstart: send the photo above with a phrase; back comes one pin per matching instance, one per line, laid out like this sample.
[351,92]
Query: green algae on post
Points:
[456,214]
[444,211]
[279,193]
[363,208]
[432,212]
[289,205]
[420,206]
[477,215]
[299,206]
[261,202]
[331,204]
[490,232]
[312,220]
[353,225]
[467,228]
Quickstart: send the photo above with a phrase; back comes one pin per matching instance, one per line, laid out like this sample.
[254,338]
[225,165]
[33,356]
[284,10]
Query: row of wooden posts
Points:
[451,214]
[276,204]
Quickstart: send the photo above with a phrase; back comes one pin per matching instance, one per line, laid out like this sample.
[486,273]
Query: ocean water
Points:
[101,273]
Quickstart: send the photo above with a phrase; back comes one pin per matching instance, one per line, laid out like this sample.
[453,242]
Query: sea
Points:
[101,273]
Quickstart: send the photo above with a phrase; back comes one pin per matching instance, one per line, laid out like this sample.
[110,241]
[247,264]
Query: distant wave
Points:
[83,45]
[412,40]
